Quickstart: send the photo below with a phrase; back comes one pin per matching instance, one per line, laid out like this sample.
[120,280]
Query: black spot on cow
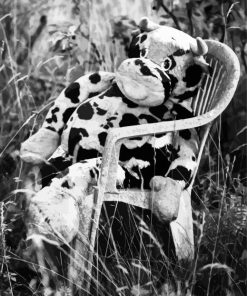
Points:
[180,173]
[187,95]
[92,94]
[109,121]
[113,91]
[102,137]
[53,168]
[143,68]
[51,128]
[143,52]
[53,117]
[83,132]
[111,118]
[92,175]
[143,38]
[185,134]
[182,112]
[129,103]
[75,136]
[180,52]
[72,92]
[101,111]
[94,78]
[85,111]
[128,119]
[48,120]
[105,126]
[95,104]
[134,48]
[148,118]
[172,152]
[166,82]
[67,113]
[136,139]
[174,81]
[159,135]
[193,158]
[65,184]
[158,111]
[86,154]
[193,75]
[60,131]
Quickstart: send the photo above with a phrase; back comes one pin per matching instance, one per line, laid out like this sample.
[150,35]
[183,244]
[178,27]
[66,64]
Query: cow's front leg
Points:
[41,145]
[165,197]
[167,190]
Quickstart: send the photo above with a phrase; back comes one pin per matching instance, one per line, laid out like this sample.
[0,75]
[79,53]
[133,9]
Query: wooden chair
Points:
[215,94]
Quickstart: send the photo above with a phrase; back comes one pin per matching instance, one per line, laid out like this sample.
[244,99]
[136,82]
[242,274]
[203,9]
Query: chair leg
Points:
[182,228]
[82,259]
[98,198]
[80,266]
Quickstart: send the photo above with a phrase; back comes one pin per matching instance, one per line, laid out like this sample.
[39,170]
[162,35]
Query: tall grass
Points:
[27,88]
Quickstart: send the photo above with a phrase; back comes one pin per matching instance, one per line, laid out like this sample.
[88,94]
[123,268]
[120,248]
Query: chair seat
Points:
[134,197]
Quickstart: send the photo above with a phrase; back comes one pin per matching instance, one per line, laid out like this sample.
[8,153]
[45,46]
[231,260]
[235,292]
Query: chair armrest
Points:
[112,146]
[116,134]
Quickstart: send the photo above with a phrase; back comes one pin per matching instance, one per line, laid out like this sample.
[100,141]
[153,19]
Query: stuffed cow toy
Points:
[156,83]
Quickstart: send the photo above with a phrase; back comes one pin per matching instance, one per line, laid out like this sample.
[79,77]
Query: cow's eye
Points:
[167,63]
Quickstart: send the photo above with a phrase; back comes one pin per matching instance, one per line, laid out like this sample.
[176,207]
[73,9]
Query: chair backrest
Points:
[219,85]
[217,88]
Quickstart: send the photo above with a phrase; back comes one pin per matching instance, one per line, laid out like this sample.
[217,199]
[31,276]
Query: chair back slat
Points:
[215,84]
[210,82]
[209,91]
[200,96]
[196,101]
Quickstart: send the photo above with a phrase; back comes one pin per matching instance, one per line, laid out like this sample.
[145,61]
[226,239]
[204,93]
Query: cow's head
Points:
[168,62]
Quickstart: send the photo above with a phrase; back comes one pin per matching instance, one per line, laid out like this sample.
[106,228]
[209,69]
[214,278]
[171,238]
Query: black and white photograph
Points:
[123,148]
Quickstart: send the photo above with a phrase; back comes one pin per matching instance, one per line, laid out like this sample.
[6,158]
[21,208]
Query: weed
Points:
[33,71]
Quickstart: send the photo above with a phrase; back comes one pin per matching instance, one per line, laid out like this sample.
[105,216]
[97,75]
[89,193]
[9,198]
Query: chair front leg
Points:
[182,228]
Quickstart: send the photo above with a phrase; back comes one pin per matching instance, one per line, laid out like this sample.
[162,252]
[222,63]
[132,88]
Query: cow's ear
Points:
[147,26]
[199,47]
